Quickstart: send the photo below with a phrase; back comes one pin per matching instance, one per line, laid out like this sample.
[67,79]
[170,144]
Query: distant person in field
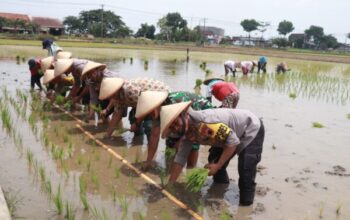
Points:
[247,67]
[36,73]
[262,64]
[226,92]
[230,66]
[282,67]
[51,47]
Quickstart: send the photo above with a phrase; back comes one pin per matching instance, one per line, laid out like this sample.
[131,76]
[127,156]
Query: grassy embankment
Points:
[92,50]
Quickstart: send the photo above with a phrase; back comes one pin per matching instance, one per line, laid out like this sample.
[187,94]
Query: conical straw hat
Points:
[169,113]
[109,86]
[48,76]
[63,55]
[46,63]
[90,65]
[148,101]
[211,77]
[62,65]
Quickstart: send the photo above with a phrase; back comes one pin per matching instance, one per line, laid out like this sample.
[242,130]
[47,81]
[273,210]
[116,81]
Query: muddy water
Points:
[299,175]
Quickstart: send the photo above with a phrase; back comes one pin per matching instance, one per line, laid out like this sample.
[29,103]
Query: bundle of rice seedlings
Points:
[59,100]
[195,179]
[68,105]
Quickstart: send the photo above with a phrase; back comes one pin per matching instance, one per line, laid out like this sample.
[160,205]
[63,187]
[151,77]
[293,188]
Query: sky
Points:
[333,16]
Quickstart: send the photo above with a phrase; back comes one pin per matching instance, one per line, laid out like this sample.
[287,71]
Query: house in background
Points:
[24,24]
[251,41]
[19,21]
[49,25]
[212,34]
[298,40]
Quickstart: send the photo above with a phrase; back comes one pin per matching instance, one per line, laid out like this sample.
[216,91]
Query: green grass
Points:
[70,215]
[84,201]
[12,200]
[317,125]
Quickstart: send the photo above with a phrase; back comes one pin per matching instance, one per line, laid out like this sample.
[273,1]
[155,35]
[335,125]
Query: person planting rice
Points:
[282,67]
[247,67]
[93,74]
[126,95]
[225,92]
[230,66]
[35,72]
[262,64]
[51,47]
[75,66]
[148,106]
[56,85]
[228,131]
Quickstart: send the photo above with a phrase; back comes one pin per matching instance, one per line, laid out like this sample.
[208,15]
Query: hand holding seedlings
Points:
[195,179]
[213,168]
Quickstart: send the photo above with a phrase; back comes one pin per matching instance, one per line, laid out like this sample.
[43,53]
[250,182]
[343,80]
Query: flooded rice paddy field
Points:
[49,166]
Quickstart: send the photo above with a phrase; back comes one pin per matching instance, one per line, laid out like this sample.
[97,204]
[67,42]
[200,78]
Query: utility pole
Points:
[204,20]
[102,21]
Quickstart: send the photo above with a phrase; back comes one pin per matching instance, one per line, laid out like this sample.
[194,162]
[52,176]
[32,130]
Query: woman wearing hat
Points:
[148,106]
[56,84]
[127,96]
[35,72]
[282,67]
[74,66]
[93,74]
[228,131]
[226,92]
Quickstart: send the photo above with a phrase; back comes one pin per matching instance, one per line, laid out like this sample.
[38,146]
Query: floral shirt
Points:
[198,102]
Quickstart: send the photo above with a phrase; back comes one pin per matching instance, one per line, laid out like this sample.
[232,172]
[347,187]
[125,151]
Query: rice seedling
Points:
[321,211]
[97,108]
[203,65]
[207,71]
[46,140]
[348,116]
[29,156]
[131,60]
[117,172]
[12,200]
[58,200]
[65,138]
[69,212]
[292,95]
[162,176]
[173,71]
[65,169]
[82,185]
[199,82]
[196,178]
[55,130]
[42,173]
[338,208]
[124,204]
[170,153]
[114,194]
[70,149]
[95,180]
[110,161]
[68,105]
[225,216]
[23,59]
[79,159]
[59,100]
[317,125]
[124,59]
[141,217]
[6,119]
[88,165]
[97,157]
[48,188]
[84,201]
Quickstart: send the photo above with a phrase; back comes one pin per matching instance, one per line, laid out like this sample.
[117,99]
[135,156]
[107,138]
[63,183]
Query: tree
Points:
[328,41]
[285,27]
[280,42]
[173,26]
[146,31]
[316,33]
[250,25]
[103,23]
[72,25]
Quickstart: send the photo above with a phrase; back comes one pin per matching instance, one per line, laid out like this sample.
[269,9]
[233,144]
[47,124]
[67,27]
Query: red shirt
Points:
[223,89]
[34,71]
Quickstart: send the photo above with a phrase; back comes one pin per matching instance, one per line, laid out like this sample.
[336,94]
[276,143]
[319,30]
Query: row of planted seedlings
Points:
[103,187]
[296,84]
